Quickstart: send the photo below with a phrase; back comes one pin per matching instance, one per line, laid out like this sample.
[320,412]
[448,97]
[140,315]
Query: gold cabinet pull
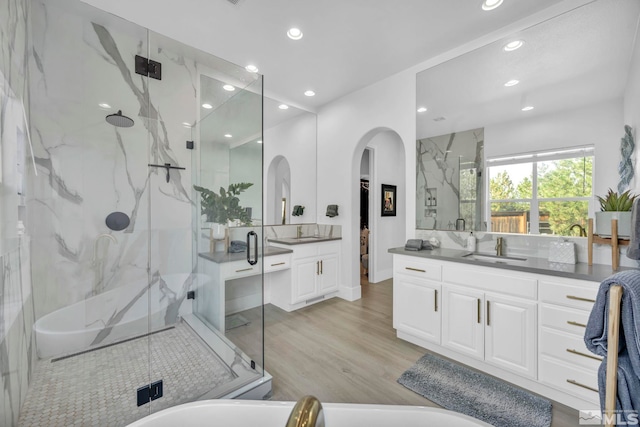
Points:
[580,298]
[416,269]
[279,263]
[579,353]
[435,300]
[571,322]
[244,269]
[488,313]
[479,310]
[574,382]
[317,268]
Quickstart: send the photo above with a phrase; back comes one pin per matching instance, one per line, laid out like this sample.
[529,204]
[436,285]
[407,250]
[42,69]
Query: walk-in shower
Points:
[114,283]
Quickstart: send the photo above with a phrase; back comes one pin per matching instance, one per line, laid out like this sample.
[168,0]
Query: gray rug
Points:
[460,389]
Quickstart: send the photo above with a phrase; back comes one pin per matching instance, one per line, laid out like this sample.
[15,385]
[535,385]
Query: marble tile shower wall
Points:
[88,168]
[520,245]
[16,297]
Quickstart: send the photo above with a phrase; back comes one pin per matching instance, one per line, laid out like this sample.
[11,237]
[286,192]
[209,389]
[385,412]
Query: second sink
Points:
[494,258]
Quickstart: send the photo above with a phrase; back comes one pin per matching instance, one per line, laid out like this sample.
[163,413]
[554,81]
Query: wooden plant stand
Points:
[212,241]
[614,241]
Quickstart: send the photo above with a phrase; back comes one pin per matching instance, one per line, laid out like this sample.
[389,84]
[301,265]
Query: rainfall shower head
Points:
[119,120]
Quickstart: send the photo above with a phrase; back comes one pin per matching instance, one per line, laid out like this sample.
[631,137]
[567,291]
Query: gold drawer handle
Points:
[571,322]
[579,353]
[574,382]
[416,269]
[244,269]
[279,263]
[580,298]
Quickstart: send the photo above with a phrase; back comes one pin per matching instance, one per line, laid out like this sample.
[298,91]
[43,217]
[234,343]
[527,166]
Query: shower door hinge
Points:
[149,392]
[147,67]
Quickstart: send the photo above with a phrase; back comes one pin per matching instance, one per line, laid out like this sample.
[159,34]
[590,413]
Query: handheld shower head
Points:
[119,120]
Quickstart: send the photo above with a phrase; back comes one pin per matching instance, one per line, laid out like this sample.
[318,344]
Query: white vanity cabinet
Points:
[490,326]
[565,362]
[315,272]
[416,298]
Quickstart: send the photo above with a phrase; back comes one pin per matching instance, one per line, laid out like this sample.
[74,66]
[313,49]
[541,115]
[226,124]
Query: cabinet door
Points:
[510,334]
[462,320]
[305,272]
[328,278]
[416,307]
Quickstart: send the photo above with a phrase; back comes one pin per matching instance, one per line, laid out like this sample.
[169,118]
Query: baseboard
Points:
[351,293]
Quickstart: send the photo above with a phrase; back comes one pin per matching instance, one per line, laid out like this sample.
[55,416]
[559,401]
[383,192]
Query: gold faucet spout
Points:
[306,413]
[499,246]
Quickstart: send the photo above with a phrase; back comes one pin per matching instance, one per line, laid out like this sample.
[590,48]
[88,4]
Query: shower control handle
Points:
[253,234]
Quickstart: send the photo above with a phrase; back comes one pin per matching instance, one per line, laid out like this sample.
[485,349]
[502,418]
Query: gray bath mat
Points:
[460,389]
[235,321]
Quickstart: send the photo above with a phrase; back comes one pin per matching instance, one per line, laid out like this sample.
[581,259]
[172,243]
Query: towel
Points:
[332,210]
[633,251]
[413,245]
[426,245]
[237,246]
[595,336]
[628,396]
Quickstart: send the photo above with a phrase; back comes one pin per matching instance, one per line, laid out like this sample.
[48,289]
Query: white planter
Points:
[603,223]
[218,230]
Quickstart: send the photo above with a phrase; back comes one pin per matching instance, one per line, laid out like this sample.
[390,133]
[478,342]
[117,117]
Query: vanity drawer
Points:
[580,295]
[417,267]
[571,379]
[277,262]
[569,348]
[563,318]
[236,269]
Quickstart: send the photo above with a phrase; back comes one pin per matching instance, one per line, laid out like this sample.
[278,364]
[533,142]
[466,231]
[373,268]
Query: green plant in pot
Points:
[615,206]
[225,206]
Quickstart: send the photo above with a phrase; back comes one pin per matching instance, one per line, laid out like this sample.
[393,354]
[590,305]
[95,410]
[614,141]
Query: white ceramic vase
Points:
[218,230]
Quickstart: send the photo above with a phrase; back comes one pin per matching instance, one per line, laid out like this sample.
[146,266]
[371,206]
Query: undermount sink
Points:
[494,258]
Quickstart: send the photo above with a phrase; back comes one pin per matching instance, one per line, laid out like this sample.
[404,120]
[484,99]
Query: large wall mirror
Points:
[285,146]
[579,72]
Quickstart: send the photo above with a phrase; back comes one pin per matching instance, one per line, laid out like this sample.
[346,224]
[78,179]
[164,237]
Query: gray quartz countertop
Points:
[221,257]
[583,271]
[303,240]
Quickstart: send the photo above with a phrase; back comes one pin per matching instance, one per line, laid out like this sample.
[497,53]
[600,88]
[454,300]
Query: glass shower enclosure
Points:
[139,303]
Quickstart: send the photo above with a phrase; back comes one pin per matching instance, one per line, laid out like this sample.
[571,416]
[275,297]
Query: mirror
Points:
[288,154]
[574,69]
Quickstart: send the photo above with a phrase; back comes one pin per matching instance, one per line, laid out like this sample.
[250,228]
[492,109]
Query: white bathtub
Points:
[241,413]
[112,316]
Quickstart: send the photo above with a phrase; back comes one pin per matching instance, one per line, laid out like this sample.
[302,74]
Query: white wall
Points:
[632,106]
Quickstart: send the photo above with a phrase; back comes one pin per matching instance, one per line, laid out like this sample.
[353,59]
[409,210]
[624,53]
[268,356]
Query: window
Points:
[541,193]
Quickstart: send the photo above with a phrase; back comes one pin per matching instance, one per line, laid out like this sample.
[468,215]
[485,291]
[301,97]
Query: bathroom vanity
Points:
[519,320]
[315,269]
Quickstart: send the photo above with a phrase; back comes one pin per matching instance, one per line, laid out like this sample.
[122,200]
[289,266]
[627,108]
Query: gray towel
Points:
[633,251]
[595,336]
[237,246]
[332,210]
[628,396]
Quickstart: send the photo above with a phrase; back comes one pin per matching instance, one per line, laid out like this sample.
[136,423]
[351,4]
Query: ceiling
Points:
[347,45]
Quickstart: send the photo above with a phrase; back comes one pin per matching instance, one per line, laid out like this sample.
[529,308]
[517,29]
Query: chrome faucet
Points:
[499,246]
[306,413]
[299,232]
[95,245]
[583,232]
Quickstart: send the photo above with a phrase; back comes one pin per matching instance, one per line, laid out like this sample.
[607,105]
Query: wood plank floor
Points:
[342,351]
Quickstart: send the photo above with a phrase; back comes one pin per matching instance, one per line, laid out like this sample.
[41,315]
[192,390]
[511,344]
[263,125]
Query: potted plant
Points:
[615,206]
[224,207]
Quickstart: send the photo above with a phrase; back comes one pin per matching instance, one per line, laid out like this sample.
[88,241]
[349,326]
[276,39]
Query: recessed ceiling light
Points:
[422,109]
[283,106]
[511,46]
[228,88]
[512,83]
[187,125]
[491,4]
[259,141]
[104,105]
[309,93]
[228,135]
[251,68]
[527,108]
[294,33]
[207,106]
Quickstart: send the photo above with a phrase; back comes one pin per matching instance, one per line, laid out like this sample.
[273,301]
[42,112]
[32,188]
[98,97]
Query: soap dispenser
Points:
[471,242]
